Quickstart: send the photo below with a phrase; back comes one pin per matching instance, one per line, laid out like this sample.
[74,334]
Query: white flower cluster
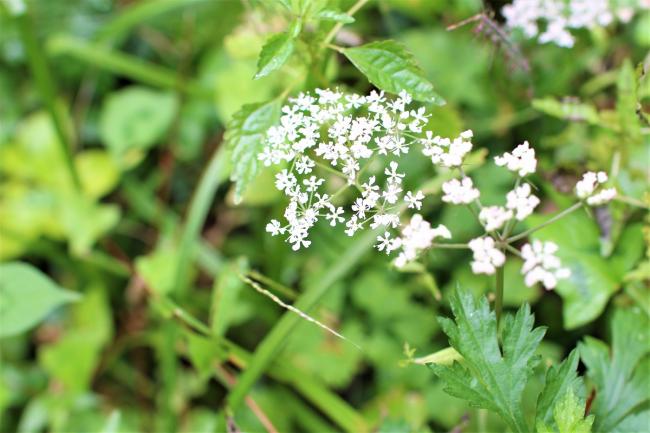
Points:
[588,189]
[359,139]
[342,133]
[541,265]
[559,16]
[487,257]
[417,236]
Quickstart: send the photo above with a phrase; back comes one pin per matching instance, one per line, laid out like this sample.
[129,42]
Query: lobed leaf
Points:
[560,379]
[621,380]
[568,414]
[390,67]
[487,378]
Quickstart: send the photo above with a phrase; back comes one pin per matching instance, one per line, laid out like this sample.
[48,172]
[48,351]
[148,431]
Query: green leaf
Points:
[568,414]
[157,269]
[390,67]
[245,138]
[491,377]
[334,15]
[621,380]
[275,53]
[135,118]
[594,278]
[572,110]
[560,380]
[26,297]
[626,101]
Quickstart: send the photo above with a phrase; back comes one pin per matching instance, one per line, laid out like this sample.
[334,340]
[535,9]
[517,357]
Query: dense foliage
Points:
[147,149]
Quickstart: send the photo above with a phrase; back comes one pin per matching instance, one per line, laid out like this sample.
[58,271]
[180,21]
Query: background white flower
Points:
[541,265]
[486,256]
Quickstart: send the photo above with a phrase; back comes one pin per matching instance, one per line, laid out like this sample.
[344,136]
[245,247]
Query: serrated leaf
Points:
[334,15]
[245,139]
[621,380]
[568,414]
[560,379]
[491,377]
[26,297]
[390,67]
[275,53]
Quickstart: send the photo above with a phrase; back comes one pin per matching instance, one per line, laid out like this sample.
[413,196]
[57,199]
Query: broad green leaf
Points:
[560,380]
[245,139]
[572,110]
[568,414]
[98,171]
[85,221]
[157,268]
[73,358]
[621,378]
[26,297]
[275,53]
[594,278]
[136,118]
[491,376]
[390,67]
[334,15]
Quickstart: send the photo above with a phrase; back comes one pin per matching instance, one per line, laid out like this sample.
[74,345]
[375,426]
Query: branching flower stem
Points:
[559,216]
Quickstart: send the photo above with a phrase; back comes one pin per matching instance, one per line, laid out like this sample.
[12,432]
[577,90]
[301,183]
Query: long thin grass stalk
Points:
[42,74]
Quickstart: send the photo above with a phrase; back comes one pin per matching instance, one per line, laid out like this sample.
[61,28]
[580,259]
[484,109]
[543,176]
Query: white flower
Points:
[494,217]
[521,160]
[444,151]
[414,201]
[352,225]
[416,237]
[486,256]
[393,175]
[587,189]
[602,197]
[559,16]
[521,201]
[459,191]
[542,265]
[334,216]
[385,243]
[284,180]
[274,228]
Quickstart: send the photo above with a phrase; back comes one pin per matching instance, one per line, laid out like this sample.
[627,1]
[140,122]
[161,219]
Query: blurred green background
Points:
[134,97]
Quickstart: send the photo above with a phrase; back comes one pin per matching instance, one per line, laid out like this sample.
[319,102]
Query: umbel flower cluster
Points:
[551,20]
[329,142]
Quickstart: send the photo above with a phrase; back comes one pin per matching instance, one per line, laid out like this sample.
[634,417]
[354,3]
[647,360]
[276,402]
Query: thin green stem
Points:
[200,204]
[631,201]
[560,215]
[332,33]
[45,85]
[498,303]
[451,246]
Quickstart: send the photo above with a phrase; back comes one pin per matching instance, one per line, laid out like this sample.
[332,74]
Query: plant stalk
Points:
[46,88]
[560,215]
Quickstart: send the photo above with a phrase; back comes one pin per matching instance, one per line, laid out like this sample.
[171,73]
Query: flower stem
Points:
[451,246]
[560,215]
[41,73]
[355,7]
[498,303]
